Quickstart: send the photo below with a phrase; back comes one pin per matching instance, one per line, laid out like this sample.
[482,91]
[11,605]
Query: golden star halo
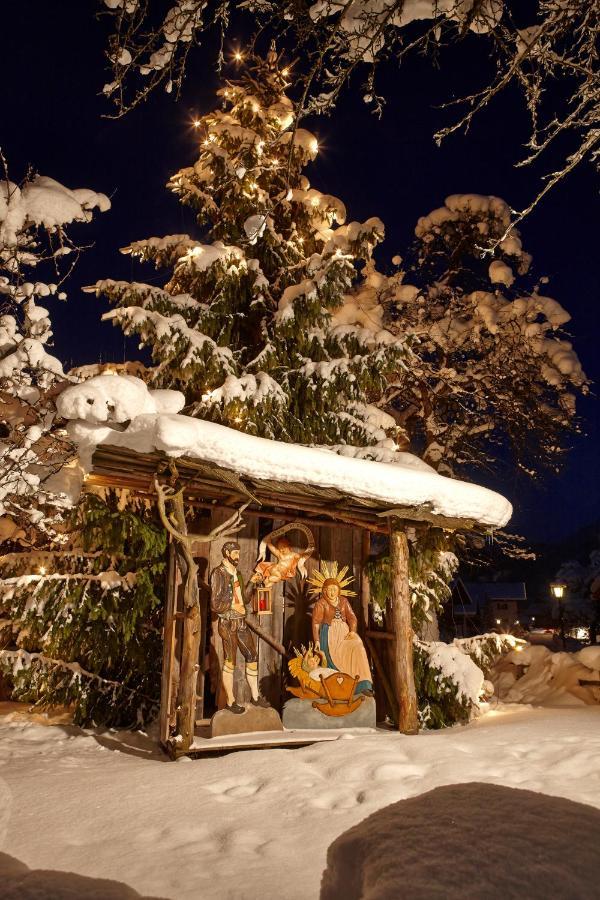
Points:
[330,573]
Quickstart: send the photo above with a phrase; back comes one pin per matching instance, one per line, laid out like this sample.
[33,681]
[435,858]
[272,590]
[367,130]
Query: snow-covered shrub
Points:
[486,649]
[451,679]
[85,620]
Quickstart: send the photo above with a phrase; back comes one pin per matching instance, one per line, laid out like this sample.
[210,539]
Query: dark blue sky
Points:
[51,72]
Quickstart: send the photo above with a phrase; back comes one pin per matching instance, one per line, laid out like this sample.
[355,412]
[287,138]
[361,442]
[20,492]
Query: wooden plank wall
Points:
[269,660]
[290,622]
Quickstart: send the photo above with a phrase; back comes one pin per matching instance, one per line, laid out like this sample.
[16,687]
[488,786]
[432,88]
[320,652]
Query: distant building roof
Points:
[475,595]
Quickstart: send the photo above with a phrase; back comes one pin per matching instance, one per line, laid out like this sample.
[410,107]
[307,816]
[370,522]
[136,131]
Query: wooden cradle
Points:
[332,696]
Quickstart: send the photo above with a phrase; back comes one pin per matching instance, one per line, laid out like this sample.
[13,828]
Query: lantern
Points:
[262,602]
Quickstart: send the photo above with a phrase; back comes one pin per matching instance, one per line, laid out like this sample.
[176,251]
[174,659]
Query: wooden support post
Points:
[365,587]
[170,666]
[403,679]
[192,630]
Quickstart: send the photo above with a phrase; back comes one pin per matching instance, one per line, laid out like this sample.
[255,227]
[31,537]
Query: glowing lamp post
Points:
[558,589]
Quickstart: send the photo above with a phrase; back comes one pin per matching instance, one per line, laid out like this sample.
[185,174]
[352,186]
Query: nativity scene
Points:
[267,550]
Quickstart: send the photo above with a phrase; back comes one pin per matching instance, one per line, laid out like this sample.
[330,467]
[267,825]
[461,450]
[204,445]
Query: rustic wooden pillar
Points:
[170,666]
[402,657]
[365,587]
[190,640]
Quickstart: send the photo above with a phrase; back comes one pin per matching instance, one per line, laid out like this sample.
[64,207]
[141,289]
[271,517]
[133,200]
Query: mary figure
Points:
[334,626]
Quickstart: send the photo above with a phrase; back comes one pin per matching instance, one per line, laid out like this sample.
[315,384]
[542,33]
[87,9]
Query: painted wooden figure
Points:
[228,601]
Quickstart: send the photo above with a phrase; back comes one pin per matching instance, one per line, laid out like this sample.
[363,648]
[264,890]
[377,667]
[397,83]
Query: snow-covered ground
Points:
[257,823]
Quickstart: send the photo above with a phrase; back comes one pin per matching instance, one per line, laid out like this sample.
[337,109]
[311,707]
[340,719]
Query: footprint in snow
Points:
[396,771]
[335,800]
[234,788]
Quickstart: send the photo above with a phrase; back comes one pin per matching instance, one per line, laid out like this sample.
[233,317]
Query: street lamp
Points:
[558,589]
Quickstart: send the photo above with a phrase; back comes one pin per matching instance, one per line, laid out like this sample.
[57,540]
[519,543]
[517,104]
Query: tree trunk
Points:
[402,658]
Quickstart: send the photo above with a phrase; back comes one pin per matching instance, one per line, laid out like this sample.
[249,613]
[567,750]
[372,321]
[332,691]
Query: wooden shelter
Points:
[192,489]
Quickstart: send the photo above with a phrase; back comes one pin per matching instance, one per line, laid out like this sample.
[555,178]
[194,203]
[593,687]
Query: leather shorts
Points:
[236,634]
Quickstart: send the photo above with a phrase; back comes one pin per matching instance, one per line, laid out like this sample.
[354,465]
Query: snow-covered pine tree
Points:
[246,324]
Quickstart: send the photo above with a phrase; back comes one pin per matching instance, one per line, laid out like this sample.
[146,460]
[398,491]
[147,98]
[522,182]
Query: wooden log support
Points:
[190,641]
[403,679]
[365,587]
[170,666]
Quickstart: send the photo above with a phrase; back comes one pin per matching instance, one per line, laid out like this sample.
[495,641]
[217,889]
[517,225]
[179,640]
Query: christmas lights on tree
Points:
[250,325]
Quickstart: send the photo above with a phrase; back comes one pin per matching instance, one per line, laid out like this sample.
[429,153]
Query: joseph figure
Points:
[228,601]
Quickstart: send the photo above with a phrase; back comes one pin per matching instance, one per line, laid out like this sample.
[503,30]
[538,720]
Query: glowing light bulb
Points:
[253,186]
[285,72]
[42,570]
[314,146]
[300,240]
[238,56]
[196,123]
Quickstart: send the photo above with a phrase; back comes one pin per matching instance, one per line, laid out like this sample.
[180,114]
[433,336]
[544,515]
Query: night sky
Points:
[51,72]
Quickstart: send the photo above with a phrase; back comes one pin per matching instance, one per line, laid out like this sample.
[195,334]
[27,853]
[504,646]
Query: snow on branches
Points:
[34,449]
[534,47]
[493,365]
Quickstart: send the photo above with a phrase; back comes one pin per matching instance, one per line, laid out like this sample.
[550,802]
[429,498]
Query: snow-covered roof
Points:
[409,485]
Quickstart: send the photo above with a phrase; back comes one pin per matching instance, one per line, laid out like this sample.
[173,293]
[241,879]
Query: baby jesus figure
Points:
[287,561]
[314,663]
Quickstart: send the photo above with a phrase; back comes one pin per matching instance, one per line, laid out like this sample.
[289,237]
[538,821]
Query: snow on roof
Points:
[408,484]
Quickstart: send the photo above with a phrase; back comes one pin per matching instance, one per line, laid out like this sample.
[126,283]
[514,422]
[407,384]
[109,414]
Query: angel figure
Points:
[287,561]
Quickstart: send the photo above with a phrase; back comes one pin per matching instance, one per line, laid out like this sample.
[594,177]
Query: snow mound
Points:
[111,399]
[436,843]
[455,665]
[535,675]
[115,398]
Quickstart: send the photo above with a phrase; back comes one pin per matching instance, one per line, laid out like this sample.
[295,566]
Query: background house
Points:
[476,607]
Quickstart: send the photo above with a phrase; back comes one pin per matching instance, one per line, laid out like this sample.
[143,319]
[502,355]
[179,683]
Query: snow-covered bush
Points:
[451,679]
[83,623]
